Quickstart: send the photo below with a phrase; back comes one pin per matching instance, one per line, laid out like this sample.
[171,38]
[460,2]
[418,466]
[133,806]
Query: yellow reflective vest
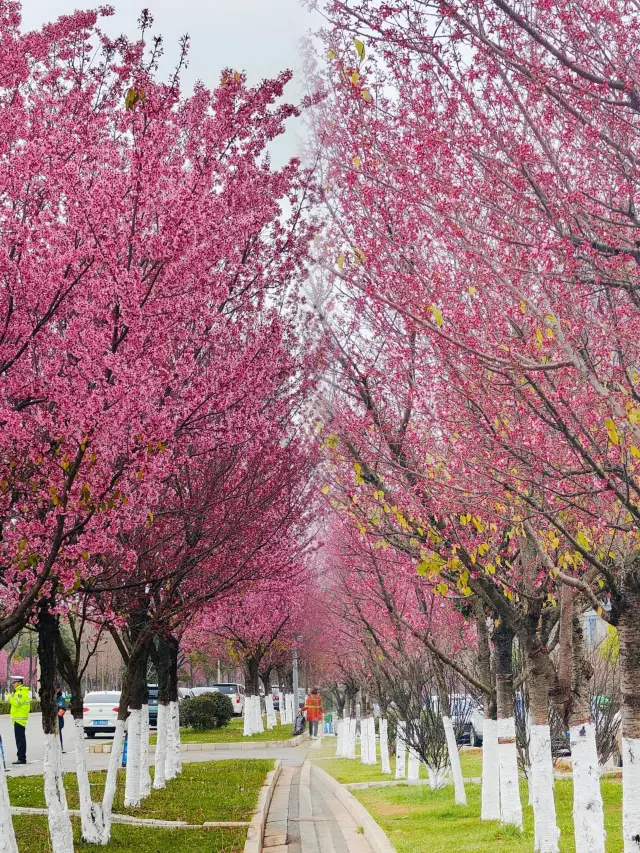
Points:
[20,705]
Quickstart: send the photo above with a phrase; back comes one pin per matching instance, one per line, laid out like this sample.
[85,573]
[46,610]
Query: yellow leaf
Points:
[539,336]
[437,314]
[340,261]
[359,47]
[356,162]
[635,452]
[325,490]
[366,94]
[612,431]
[355,78]
[472,291]
[331,54]
[442,588]
[523,307]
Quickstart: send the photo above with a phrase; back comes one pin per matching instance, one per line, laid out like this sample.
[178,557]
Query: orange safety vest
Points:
[313,707]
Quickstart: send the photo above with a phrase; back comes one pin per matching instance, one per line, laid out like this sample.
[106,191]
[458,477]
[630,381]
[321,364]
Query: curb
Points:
[224,747]
[374,834]
[255,833]
[143,821]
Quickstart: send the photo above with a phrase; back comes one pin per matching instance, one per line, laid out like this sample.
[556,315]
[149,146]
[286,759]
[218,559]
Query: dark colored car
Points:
[153,705]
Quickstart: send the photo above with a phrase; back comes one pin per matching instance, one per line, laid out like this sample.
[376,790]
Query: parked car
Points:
[200,691]
[153,705]
[276,698]
[467,717]
[234,691]
[100,712]
[185,693]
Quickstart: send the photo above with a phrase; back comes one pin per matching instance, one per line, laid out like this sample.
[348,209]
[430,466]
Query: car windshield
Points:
[101,698]
[225,688]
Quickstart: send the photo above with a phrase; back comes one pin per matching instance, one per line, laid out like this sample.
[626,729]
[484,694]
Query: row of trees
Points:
[477,287]
[155,369]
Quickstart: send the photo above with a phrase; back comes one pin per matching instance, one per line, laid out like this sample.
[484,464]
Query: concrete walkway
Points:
[305,817]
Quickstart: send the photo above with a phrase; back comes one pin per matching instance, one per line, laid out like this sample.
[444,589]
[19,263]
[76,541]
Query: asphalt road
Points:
[98,761]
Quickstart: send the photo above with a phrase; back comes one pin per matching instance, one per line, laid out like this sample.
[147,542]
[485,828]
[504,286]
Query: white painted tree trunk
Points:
[161,747]
[546,831]
[384,746]
[454,760]
[91,819]
[401,751]
[145,776]
[510,805]
[258,723]
[490,771]
[60,829]
[132,784]
[271,714]
[281,710]
[437,777]
[351,744]
[630,794]
[112,778]
[413,765]
[170,769]
[364,742]
[8,843]
[588,811]
[372,741]
[174,710]
[289,707]
[247,727]
[340,726]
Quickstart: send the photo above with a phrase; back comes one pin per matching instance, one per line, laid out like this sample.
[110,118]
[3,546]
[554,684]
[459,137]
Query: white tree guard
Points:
[588,811]
[454,760]
[546,831]
[91,819]
[510,805]
[145,776]
[631,794]
[384,745]
[112,778]
[172,764]
[413,765]
[490,771]
[372,741]
[364,742]
[132,783]
[8,843]
[401,751]
[161,747]
[351,743]
[258,723]
[437,777]
[271,714]
[60,829]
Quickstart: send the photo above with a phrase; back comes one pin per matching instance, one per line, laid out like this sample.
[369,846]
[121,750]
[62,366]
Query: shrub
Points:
[209,711]
[5,707]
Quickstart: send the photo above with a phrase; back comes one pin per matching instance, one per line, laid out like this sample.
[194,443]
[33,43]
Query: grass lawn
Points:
[213,790]
[33,837]
[231,733]
[418,820]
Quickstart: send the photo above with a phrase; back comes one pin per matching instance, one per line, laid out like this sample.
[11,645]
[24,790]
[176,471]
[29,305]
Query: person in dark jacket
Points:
[62,710]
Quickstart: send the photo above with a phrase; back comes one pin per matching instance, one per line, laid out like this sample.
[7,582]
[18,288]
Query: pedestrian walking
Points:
[20,702]
[62,710]
[314,710]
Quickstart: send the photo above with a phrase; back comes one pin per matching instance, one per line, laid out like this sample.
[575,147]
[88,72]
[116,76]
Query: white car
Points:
[100,712]
[233,690]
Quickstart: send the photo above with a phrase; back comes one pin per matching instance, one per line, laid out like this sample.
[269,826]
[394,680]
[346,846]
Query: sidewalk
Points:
[305,817]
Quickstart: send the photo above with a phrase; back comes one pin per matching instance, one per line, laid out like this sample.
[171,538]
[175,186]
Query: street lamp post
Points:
[296,701]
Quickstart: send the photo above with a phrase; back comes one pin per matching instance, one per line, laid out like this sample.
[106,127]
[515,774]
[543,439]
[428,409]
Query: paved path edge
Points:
[373,832]
[255,832]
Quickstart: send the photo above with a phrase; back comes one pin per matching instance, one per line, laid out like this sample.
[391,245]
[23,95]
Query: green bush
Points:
[5,707]
[209,711]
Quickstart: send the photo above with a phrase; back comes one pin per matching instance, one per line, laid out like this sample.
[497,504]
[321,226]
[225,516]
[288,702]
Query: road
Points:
[98,761]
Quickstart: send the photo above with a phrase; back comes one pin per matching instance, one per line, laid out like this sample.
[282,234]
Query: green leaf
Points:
[359,47]
[437,314]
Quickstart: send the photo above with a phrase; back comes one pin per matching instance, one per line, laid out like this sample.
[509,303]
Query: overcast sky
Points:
[261,37]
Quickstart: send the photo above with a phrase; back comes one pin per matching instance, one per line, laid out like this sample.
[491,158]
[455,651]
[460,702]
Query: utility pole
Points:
[296,701]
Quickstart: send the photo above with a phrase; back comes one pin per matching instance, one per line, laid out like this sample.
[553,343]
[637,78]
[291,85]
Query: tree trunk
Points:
[163,665]
[629,637]
[452,746]
[510,805]
[490,809]
[60,828]
[136,693]
[173,764]
[588,812]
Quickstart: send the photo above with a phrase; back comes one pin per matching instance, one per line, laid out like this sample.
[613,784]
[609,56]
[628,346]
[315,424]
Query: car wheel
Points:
[89,732]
